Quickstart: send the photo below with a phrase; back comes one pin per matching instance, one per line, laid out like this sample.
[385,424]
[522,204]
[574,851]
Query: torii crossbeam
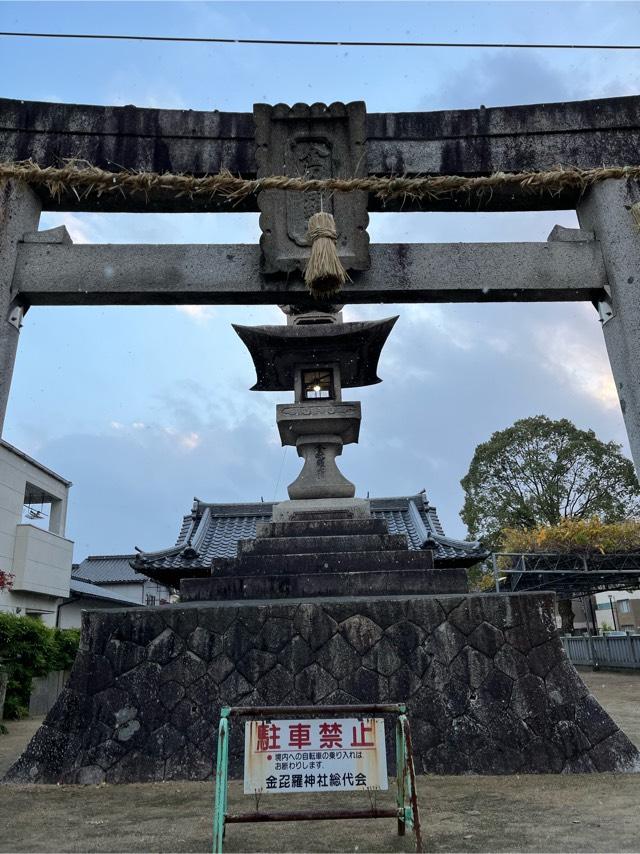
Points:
[600,262]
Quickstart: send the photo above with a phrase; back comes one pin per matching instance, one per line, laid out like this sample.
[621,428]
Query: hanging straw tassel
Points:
[324,274]
[635,213]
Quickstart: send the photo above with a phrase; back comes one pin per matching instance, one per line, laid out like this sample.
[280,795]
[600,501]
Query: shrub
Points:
[575,536]
[28,649]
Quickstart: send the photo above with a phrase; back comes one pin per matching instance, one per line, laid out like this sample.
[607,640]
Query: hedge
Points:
[28,649]
[575,536]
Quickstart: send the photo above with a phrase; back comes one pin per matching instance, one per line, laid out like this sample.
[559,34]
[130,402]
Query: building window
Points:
[151,599]
[317,385]
[624,606]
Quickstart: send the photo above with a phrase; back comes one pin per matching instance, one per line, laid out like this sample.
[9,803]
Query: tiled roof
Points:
[93,591]
[213,530]
[107,569]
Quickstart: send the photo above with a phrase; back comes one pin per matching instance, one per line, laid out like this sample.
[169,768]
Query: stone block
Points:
[149,711]
[322,528]
[320,509]
[317,141]
[338,657]
[486,638]
[315,683]
[383,658]
[275,686]
[593,720]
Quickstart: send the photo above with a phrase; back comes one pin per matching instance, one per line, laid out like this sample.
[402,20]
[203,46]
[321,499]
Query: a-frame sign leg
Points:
[606,210]
[19,214]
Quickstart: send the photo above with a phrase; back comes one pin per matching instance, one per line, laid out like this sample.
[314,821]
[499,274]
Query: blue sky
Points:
[145,407]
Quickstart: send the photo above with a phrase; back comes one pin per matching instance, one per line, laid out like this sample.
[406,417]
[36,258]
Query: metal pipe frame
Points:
[407,811]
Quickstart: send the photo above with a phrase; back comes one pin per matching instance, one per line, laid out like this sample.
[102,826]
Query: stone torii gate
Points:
[599,262]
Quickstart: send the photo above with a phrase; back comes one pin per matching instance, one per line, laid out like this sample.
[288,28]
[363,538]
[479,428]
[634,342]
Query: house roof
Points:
[107,569]
[81,589]
[31,461]
[212,531]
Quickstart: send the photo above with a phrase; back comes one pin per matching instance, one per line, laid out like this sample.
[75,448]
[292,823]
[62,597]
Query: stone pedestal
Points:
[319,429]
[320,476]
[488,686]
[335,549]
[318,509]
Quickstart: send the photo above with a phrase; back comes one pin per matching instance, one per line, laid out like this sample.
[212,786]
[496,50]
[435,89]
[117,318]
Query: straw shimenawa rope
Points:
[324,274]
[84,179]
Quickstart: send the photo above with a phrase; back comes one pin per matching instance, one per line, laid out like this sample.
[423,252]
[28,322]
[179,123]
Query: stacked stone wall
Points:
[488,686]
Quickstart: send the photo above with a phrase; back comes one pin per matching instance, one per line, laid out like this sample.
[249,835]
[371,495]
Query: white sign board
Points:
[316,755]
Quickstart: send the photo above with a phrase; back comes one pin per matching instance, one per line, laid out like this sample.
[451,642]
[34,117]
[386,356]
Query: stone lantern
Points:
[316,356]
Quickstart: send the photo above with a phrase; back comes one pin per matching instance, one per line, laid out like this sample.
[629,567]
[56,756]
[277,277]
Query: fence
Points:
[45,691]
[621,651]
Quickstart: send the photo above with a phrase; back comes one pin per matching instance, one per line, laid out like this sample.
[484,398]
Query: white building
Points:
[34,549]
[114,575]
[618,609]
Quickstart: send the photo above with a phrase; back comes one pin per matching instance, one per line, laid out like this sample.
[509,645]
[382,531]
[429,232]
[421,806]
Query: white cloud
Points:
[77,228]
[200,313]
[190,441]
[577,358]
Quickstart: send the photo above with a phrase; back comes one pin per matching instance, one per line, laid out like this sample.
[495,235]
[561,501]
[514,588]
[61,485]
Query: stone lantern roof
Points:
[277,350]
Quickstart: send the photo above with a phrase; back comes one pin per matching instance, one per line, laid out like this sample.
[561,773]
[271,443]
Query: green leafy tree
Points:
[539,472]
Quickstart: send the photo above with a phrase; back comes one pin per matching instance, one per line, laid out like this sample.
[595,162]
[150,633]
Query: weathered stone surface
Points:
[383,658]
[275,686]
[486,638]
[204,643]
[256,664]
[361,632]
[315,682]
[319,141]
[314,625]
[445,643]
[338,657]
[593,720]
[488,687]
[166,646]
[446,142]
[511,662]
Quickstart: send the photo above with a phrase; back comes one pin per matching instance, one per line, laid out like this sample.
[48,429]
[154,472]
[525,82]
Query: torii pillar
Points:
[19,213]
[605,210]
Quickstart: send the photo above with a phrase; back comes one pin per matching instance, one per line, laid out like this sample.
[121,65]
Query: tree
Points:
[539,472]
[28,648]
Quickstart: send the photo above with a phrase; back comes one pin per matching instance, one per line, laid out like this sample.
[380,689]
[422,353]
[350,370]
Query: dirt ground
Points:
[551,813]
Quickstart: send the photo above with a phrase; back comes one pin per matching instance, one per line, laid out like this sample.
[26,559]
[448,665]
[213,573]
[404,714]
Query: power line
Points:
[320,43]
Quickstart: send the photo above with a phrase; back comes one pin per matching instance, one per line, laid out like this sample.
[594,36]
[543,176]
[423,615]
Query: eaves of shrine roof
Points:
[107,569]
[212,531]
[81,589]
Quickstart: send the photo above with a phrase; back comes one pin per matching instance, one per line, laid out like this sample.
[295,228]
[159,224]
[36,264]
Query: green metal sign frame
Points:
[406,812]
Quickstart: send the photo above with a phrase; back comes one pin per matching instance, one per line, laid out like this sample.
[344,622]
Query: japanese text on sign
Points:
[314,755]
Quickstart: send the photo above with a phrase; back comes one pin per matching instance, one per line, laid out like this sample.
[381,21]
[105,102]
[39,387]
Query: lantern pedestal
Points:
[320,476]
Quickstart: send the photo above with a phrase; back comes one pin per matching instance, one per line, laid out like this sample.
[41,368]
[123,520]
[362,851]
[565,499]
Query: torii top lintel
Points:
[586,134]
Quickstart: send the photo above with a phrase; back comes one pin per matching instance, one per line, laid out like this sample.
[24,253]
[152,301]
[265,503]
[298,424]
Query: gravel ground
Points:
[551,813]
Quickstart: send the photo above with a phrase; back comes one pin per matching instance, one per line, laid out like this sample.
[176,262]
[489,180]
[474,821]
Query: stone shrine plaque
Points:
[316,141]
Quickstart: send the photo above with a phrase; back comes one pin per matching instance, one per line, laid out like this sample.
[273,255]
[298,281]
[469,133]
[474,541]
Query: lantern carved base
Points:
[320,476]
